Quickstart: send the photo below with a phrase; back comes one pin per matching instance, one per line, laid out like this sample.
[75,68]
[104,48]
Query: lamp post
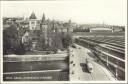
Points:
[116,66]
[107,60]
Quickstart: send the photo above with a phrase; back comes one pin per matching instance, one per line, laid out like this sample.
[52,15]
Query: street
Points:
[79,68]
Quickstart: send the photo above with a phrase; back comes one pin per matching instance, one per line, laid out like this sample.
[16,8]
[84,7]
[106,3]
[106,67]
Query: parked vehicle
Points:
[89,65]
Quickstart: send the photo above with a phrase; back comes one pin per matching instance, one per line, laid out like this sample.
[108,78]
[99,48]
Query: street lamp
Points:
[116,67]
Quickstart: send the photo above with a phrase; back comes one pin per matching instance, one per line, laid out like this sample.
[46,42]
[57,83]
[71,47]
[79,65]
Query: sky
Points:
[82,11]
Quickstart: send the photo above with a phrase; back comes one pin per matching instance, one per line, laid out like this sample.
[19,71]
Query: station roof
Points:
[114,48]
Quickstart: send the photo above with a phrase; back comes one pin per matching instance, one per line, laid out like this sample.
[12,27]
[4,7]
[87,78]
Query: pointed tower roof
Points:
[43,18]
[70,21]
[33,16]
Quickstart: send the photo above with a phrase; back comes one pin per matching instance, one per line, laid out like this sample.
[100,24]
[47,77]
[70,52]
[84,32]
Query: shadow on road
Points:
[84,67]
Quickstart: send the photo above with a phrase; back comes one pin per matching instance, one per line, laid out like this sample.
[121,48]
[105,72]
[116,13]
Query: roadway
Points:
[79,71]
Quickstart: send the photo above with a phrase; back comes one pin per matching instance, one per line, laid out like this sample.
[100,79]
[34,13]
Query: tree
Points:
[66,40]
[11,42]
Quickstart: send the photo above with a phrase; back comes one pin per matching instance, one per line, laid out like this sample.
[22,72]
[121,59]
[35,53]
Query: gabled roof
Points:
[43,21]
[43,18]
[33,16]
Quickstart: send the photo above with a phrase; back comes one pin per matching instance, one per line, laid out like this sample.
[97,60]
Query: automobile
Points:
[71,62]
[89,65]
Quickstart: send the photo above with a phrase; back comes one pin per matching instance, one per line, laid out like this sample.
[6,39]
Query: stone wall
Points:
[19,58]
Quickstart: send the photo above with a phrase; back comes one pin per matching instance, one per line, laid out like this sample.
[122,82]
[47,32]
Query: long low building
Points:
[101,30]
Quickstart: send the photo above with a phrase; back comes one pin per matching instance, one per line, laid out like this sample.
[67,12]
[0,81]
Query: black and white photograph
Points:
[63,41]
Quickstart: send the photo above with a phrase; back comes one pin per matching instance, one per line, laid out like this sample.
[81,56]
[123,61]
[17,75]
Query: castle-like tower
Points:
[32,22]
[44,29]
